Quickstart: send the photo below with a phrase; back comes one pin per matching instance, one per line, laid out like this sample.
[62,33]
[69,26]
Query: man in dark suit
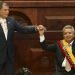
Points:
[64,49]
[7,27]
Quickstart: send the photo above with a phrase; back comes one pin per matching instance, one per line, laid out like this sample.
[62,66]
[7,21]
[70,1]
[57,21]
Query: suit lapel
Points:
[73,44]
[73,47]
[8,26]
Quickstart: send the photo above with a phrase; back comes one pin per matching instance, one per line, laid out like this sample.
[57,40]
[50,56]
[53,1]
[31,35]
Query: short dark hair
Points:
[1,4]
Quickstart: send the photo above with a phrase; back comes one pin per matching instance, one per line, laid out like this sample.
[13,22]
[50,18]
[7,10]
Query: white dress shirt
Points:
[4,26]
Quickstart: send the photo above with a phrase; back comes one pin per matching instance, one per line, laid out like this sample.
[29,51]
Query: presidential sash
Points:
[66,50]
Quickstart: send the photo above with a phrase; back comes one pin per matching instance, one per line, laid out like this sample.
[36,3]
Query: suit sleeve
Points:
[48,47]
[24,29]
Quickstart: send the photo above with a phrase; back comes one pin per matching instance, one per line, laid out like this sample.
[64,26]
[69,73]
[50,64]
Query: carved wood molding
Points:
[42,3]
[42,59]
[59,17]
[56,23]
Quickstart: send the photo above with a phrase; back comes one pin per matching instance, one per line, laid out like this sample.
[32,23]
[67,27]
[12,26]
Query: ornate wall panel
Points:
[53,15]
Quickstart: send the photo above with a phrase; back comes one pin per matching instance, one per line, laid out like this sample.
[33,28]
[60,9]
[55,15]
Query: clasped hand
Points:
[41,29]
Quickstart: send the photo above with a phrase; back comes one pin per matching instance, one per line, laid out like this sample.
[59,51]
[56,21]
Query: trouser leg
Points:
[9,68]
[1,69]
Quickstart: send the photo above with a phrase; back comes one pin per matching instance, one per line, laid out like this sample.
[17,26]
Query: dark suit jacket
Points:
[6,46]
[59,57]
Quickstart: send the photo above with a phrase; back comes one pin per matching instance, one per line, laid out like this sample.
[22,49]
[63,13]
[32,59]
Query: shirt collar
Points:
[2,20]
[71,42]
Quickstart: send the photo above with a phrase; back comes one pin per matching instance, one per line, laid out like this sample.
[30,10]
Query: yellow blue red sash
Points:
[66,50]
